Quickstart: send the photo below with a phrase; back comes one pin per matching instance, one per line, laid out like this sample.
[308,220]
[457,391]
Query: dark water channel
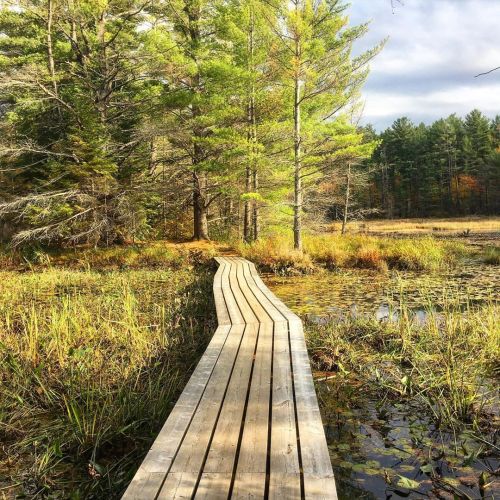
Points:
[386,449]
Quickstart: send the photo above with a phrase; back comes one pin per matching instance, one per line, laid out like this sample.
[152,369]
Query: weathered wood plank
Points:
[158,460]
[284,448]
[247,425]
[192,452]
[221,309]
[254,443]
[223,448]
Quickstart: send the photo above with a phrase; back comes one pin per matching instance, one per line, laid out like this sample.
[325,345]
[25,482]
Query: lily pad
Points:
[407,483]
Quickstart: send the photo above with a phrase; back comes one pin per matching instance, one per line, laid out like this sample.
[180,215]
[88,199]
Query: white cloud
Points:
[428,65]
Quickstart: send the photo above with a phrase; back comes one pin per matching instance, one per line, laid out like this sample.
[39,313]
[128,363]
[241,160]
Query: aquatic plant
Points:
[492,255]
[447,363]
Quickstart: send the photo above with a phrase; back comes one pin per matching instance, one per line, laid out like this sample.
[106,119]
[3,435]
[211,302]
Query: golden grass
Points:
[424,226]
[91,363]
[449,363]
[354,251]
[157,254]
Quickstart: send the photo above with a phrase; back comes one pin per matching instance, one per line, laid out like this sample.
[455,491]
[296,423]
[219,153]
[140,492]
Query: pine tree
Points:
[322,80]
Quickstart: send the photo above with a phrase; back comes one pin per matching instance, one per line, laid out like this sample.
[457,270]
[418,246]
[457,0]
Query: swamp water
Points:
[386,449]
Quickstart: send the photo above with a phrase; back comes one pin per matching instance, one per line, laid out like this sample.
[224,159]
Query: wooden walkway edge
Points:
[247,424]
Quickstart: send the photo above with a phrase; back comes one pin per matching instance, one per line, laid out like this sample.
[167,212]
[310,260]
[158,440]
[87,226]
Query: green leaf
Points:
[407,483]
[427,468]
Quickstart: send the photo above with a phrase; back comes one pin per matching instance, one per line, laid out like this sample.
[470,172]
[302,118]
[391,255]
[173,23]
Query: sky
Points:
[426,70]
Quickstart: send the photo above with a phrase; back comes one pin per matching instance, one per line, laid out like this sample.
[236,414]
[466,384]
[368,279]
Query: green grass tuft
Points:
[91,364]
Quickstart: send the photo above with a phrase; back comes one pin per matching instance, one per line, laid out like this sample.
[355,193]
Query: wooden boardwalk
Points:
[247,425]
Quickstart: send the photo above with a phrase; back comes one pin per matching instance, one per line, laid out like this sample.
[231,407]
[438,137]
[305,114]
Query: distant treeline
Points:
[451,167]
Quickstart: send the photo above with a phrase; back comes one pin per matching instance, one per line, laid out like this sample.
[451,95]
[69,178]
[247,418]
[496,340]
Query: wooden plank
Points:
[218,440]
[229,298]
[224,445]
[213,486]
[282,308]
[253,449]
[158,460]
[178,485]
[283,485]
[192,452]
[265,309]
[314,453]
[284,448]
[245,308]
[315,456]
[220,304]
[249,486]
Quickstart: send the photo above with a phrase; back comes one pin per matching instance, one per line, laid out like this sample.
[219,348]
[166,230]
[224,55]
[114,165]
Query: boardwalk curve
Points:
[247,424]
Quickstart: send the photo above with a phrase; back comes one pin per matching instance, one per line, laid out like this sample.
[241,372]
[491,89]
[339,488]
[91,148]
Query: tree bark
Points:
[247,214]
[200,226]
[50,52]
[200,180]
[251,214]
[255,208]
[298,195]
[346,201]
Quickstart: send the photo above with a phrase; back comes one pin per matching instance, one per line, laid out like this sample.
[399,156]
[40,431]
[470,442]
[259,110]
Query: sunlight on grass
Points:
[448,363]
[459,224]
[91,364]
[354,251]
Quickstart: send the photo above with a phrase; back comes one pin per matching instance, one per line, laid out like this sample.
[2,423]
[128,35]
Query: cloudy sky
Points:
[426,71]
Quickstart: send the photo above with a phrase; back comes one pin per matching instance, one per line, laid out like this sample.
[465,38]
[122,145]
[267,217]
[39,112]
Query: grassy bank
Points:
[91,362]
[448,364]
[355,251]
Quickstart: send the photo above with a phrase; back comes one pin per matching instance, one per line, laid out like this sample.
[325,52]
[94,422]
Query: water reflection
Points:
[389,449]
[362,292]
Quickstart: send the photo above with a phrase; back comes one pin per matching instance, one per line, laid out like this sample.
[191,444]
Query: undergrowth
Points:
[354,251]
[448,363]
[91,363]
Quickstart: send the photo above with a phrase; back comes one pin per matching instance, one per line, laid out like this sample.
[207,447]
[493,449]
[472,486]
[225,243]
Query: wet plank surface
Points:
[247,424]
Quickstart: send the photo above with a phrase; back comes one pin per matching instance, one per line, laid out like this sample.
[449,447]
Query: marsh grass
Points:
[159,254]
[424,226]
[90,365]
[449,363]
[492,256]
[354,251]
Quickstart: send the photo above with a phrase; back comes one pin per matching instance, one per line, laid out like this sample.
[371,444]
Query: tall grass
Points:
[90,365]
[449,363]
[157,254]
[354,251]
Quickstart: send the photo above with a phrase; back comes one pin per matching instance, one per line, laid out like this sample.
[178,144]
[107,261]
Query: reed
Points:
[90,366]
[447,363]
[355,251]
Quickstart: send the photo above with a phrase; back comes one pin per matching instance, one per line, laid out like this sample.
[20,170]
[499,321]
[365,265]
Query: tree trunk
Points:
[247,227]
[200,226]
[50,52]
[200,181]
[346,201]
[251,208]
[255,208]
[297,206]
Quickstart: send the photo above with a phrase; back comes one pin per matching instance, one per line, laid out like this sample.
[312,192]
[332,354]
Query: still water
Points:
[390,449]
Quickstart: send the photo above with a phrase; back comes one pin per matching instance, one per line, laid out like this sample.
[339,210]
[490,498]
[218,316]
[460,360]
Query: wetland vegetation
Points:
[128,127]
[407,372]
[92,360]
[405,357]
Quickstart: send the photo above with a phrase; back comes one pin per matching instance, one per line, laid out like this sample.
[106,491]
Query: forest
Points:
[128,120]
